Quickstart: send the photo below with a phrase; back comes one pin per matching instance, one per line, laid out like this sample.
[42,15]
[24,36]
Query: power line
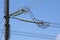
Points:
[1,20]
[32,21]
[1,35]
[2,30]
[54,26]
[31,34]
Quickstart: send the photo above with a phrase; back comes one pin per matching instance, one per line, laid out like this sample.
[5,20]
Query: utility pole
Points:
[7,26]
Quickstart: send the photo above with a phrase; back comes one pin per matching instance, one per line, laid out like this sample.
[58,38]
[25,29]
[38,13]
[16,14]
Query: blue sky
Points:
[46,10]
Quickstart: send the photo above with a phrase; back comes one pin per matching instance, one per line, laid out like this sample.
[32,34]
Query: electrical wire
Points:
[51,23]
[2,30]
[54,26]
[25,34]
[20,19]
[1,35]
[32,16]
[32,36]
[26,20]
[1,20]
[31,33]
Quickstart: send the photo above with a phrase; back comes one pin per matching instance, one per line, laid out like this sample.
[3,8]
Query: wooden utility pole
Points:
[7,26]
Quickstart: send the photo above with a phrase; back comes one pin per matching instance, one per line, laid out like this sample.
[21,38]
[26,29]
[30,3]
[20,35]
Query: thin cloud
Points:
[58,37]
